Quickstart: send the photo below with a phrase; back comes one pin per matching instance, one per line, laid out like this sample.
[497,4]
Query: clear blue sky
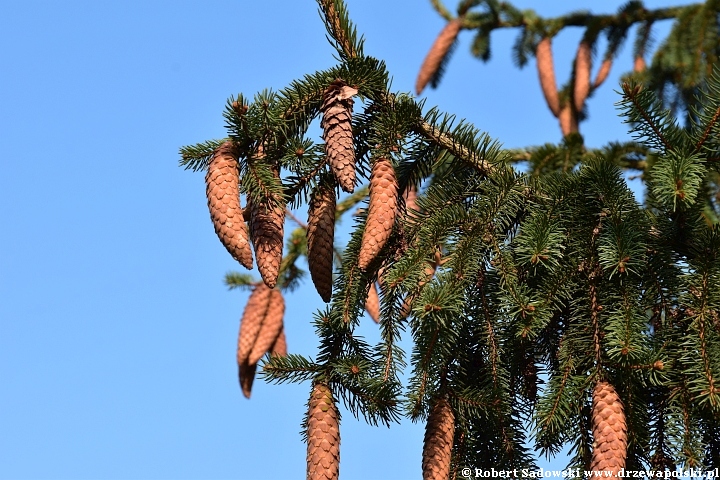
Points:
[117,336]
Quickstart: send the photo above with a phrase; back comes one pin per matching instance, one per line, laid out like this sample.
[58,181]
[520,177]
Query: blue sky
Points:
[117,336]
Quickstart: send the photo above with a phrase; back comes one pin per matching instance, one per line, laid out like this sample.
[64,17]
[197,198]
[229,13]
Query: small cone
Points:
[266,231]
[271,327]
[437,448]
[603,72]
[437,53]
[337,132]
[279,349]
[252,319]
[372,304]
[224,203]
[609,431]
[381,211]
[583,64]
[546,72]
[320,239]
[323,435]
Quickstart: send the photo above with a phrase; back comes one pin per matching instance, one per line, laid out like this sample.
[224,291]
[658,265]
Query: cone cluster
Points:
[583,64]
[261,331]
[609,430]
[437,448]
[381,211]
[320,238]
[336,123]
[437,53]
[323,435]
[266,230]
[224,203]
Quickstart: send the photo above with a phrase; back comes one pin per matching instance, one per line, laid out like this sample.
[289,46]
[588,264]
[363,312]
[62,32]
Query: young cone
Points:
[323,435]
[337,132]
[320,239]
[609,430]
[583,64]
[437,53]
[437,448]
[279,348]
[252,320]
[546,72]
[372,304]
[266,231]
[381,211]
[271,326]
[603,72]
[224,203]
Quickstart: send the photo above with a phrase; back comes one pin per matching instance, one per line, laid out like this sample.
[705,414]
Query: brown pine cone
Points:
[320,239]
[252,319]
[546,71]
[266,230]
[603,72]
[372,304]
[583,64]
[279,349]
[410,197]
[271,326]
[639,64]
[568,120]
[437,53]
[439,435]
[323,435]
[224,203]
[381,211]
[337,132]
[609,430]
[246,374]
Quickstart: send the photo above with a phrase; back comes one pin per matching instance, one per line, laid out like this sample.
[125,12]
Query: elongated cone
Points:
[381,211]
[271,327]
[279,349]
[252,319]
[568,120]
[323,435]
[320,239]
[437,448]
[437,53]
[372,303]
[583,65]
[546,72]
[609,431]
[266,230]
[603,73]
[336,123]
[246,373]
[224,203]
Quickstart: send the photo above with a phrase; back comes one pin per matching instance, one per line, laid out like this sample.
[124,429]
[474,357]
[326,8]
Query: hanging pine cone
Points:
[252,319]
[323,435]
[224,203]
[271,327]
[439,435]
[410,197]
[437,53]
[246,373]
[603,72]
[609,430]
[583,64]
[639,64]
[266,230]
[372,304]
[546,71]
[381,211]
[279,349]
[337,132]
[320,238]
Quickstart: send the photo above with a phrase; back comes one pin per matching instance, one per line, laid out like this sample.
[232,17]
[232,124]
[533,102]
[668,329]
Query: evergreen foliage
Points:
[522,288]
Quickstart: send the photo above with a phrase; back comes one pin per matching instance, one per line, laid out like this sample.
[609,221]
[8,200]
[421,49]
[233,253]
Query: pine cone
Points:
[603,72]
[609,430]
[639,64]
[337,132]
[320,238]
[568,120]
[271,327]
[372,304]
[381,211]
[279,349]
[439,435]
[583,64]
[323,435]
[224,203]
[410,197]
[246,373]
[252,319]
[546,71]
[437,53]
[266,231]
